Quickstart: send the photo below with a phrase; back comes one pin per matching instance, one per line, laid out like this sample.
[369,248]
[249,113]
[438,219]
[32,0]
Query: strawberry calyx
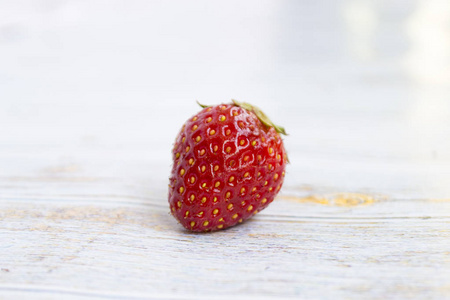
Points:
[258,112]
[203,105]
[260,115]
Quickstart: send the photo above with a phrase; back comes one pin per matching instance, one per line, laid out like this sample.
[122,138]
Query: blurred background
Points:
[362,86]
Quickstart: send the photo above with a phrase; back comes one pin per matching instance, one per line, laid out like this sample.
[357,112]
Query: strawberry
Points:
[228,164]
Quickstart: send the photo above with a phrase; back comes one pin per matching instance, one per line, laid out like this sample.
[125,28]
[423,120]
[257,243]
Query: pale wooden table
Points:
[92,95]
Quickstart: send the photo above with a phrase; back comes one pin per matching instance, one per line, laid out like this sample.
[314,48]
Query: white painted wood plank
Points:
[290,249]
[91,97]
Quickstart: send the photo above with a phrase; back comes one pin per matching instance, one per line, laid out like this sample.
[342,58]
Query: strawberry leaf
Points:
[261,116]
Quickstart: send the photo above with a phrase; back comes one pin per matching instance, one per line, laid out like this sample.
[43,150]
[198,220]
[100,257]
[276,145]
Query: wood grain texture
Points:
[92,95]
[81,241]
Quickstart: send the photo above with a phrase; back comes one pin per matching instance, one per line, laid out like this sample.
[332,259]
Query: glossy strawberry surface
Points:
[227,166]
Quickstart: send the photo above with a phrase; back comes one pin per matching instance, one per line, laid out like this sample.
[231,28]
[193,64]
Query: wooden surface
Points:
[92,96]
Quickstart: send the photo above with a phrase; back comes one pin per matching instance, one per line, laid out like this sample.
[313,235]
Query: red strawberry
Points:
[229,163]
